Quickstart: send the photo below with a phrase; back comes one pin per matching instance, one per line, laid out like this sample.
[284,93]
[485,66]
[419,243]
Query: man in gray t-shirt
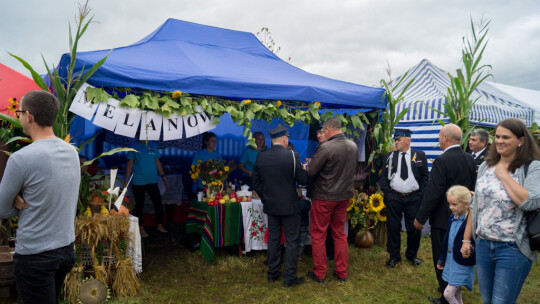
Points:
[43,180]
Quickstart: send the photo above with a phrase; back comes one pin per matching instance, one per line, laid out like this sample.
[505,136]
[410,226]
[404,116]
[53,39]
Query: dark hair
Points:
[482,134]
[528,151]
[205,137]
[257,133]
[42,105]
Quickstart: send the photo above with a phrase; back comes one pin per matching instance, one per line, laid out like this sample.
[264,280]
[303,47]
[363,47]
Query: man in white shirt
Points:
[403,178]
[478,142]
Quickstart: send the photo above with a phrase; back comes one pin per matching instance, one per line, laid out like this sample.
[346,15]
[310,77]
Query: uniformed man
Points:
[403,178]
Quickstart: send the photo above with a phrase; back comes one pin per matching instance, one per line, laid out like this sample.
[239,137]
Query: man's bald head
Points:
[450,135]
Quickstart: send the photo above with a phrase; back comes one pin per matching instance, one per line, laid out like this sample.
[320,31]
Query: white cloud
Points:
[347,40]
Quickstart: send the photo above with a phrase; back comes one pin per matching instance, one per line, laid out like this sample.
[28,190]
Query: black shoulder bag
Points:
[533,222]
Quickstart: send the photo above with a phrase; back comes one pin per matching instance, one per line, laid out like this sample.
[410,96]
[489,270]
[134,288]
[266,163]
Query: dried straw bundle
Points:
[115,225]
[126,283]
[91,230]
[72,283]
[101,274]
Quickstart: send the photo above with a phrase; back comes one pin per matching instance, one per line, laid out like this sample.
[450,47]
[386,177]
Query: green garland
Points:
[241,112]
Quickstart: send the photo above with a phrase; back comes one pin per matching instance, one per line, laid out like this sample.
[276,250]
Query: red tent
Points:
[13,85]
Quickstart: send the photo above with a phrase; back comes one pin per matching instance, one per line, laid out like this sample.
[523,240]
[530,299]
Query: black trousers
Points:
[437,237]
[291,230]
[398,206]
[139,194]
[40,277]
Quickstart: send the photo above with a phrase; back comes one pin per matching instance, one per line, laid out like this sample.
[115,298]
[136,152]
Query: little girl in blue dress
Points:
[457,270]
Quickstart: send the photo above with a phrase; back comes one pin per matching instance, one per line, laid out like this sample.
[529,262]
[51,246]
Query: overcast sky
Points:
[346,40]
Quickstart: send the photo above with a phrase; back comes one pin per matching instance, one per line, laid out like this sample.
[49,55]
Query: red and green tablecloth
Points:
[219,225]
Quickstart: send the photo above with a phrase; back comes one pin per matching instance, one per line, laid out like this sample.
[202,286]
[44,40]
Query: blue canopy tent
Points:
[430,86]
[206,60]
[211,61]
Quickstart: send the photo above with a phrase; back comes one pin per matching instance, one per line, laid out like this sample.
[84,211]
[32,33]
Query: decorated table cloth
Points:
[255,225]
[134,250]
[219,225]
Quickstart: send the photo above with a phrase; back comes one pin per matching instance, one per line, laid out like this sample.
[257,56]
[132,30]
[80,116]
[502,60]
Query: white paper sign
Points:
[107,114]
[198,123]
[191,125]
[81,106]
[173,127]
[205,120]
[128,122]
[150,126]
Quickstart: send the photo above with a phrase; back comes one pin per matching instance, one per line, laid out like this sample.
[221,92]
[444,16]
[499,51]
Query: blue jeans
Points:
[502,270]
[40,276]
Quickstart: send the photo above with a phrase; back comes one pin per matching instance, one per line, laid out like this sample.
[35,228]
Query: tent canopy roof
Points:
[431,86]
[13,85]
[205,60]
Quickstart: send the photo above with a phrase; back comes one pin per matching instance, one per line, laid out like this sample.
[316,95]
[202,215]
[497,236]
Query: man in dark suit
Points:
[403,179]
[478,142]
[275,174]
[452,167]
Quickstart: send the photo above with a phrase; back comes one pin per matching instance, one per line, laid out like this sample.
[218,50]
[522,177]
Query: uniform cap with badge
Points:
[402,133]
[279,131]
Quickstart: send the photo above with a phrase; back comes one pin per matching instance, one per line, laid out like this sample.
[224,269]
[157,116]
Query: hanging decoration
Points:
[171,114]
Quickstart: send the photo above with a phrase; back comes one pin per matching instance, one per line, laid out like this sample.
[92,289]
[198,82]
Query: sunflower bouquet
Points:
[212,172]
[366,211]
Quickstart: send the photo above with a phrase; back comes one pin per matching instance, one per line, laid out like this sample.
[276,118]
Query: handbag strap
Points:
[526,168]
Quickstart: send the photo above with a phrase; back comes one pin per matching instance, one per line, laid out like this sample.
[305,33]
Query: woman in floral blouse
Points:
[504,192]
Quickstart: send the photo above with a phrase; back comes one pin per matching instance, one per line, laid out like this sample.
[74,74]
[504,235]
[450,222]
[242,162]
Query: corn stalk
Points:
[459,101]
[382,131]
[66,89]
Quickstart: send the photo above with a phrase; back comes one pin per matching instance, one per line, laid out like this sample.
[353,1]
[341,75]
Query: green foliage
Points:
[459,102]
[382,131]
[241,112]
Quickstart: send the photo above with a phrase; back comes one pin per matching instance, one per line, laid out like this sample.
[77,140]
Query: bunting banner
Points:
[125,121]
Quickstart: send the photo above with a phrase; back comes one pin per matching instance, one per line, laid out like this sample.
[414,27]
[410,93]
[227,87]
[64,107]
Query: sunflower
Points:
[226,168]
[279,103]
[376,202]
[381,215]
[246,102]
[176,94]
[318,104]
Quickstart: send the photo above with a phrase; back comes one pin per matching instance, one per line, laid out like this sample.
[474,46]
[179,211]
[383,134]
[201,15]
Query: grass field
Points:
[172,274]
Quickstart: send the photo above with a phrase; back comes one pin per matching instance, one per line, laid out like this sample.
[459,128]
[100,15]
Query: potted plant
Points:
[364,213]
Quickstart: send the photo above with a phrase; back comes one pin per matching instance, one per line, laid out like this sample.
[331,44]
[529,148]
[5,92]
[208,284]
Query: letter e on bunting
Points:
[81,106]
[107,114]
[150,126]
[173,127]
[128,122]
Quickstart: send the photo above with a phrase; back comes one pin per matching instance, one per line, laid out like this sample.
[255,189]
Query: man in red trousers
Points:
[332,169]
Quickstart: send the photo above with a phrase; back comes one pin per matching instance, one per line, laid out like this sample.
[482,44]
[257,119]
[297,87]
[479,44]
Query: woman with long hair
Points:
[506,187]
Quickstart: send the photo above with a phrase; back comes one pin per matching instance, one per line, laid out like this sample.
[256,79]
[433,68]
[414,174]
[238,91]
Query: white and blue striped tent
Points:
[431,86]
